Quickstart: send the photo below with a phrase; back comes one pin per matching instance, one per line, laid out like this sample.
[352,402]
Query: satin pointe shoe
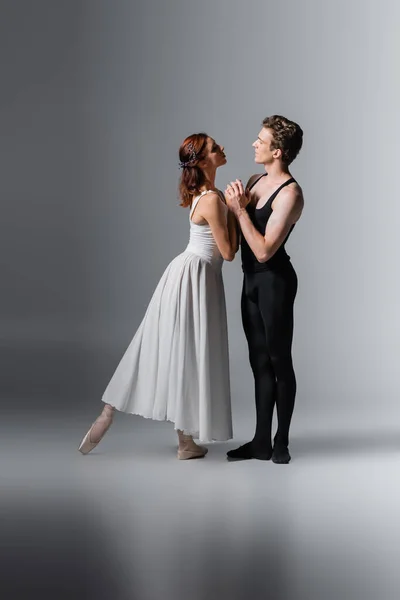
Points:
[188,448]
[97,430]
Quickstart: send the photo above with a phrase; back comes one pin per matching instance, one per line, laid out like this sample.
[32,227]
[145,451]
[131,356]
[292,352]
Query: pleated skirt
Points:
[176,367]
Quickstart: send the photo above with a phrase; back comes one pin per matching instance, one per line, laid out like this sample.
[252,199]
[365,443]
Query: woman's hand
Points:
[236,197]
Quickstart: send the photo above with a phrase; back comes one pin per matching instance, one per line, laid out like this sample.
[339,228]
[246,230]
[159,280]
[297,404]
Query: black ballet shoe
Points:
[280,455]
[262,454]
[248,451]
[244,452]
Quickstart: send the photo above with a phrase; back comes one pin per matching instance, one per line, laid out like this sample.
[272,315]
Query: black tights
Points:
[267,313]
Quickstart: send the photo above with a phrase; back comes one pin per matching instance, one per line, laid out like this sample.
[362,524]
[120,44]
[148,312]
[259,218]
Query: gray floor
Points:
[131,521]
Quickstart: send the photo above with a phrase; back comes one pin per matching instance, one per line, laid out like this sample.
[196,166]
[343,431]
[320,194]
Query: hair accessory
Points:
[192,157]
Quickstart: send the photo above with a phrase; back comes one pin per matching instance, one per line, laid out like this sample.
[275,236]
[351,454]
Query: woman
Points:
[176,367]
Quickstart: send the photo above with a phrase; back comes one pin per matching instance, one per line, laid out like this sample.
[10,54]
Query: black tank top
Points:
[259,217]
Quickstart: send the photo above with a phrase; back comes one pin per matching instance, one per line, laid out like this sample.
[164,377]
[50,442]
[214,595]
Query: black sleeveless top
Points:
[259,217]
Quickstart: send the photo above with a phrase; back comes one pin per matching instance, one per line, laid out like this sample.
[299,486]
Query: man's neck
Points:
[277,172]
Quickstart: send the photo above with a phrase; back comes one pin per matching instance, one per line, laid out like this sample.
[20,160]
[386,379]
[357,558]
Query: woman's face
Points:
[215,155]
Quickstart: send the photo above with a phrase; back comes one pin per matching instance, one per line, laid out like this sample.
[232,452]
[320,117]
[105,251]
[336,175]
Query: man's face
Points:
[263,154]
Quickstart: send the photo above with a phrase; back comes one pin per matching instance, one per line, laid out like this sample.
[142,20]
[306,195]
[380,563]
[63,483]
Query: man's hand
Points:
[236,197]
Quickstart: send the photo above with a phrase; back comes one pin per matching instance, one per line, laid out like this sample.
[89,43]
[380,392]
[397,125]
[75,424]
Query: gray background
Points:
[96,97]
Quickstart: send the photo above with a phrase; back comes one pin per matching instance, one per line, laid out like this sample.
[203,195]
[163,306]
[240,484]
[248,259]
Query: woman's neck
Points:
[210,178]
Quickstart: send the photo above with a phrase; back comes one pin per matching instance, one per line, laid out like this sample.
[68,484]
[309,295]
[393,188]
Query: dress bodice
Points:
[201,240]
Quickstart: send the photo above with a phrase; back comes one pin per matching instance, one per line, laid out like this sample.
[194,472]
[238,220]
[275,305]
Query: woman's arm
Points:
[233,224]
[212,209]
[233,229]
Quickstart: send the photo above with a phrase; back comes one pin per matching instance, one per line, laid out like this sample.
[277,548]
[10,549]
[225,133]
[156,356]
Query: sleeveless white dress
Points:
[177,366]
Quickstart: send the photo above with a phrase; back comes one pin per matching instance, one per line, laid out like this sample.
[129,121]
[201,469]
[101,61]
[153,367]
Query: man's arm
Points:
[287,210]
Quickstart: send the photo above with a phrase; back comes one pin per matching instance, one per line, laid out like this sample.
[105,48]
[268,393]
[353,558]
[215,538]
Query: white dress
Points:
[177,367]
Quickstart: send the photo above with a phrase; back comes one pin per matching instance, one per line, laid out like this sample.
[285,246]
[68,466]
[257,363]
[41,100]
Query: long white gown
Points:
[177,366]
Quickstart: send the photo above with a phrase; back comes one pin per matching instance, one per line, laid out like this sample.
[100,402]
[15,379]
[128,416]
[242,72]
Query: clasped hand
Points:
[236,197]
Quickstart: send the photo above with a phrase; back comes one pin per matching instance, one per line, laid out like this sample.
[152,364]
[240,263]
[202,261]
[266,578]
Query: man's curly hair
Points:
[287,136]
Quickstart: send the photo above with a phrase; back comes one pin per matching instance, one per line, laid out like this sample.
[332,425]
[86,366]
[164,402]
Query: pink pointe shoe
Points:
[97,430]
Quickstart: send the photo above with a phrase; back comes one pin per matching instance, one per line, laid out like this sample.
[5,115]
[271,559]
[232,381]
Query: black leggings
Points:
[267,313]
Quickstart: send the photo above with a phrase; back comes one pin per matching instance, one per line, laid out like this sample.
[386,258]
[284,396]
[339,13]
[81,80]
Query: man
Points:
[266,213]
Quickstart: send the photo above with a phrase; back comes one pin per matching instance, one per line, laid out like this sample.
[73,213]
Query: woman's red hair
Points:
[191,152]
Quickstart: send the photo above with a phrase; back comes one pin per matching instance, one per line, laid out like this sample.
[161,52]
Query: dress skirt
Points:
[176,367]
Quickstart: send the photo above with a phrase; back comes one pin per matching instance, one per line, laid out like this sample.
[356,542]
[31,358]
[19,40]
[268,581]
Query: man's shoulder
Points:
[291,199]
[293,191]
[252,179]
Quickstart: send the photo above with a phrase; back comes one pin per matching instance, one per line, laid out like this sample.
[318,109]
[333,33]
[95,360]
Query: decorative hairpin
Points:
[192,157]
